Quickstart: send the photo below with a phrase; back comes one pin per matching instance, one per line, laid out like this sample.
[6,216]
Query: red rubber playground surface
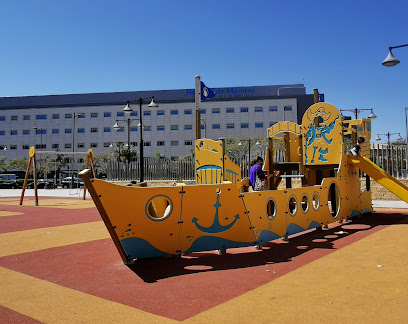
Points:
[59,265]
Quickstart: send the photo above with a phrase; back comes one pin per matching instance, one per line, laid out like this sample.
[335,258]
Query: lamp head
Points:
[372,115]
[399,138]
[127,108]
[116,126]
[390,60]
[240,143]
[153,105]
[378,138]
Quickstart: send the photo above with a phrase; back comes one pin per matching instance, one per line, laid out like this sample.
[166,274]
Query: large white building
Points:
[47,122]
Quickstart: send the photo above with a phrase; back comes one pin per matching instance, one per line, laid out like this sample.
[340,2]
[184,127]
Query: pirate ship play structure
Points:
[219,212]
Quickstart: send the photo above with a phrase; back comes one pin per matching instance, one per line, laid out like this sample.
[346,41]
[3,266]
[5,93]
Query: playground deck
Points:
[58,264]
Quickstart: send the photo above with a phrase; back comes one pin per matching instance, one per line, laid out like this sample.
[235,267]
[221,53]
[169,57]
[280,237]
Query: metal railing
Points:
[391,158]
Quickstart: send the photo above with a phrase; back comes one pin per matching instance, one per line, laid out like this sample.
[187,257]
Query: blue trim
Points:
[209,243]
[136,247]
[209,167]
[230,171]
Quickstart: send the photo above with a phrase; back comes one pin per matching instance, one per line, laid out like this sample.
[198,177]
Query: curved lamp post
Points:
[127,109]
[356,111]
[390,60]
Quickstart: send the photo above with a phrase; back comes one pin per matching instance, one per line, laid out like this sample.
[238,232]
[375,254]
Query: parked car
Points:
[10,184]
[66,182]
[42,184]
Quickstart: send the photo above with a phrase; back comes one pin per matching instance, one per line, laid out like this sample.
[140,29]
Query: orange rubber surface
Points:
[59,265]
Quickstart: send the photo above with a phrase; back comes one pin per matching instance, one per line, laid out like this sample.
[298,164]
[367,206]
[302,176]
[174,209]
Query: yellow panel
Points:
[283,126]
[209,161]
[214,217]
[232,172]
[324,137]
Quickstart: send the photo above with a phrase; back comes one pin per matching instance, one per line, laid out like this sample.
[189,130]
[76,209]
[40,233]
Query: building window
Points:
[230,110]
[160,113]
[55,146]
[94,130]
[202,111]
[2,132]
[288,108]
[147,128]
[160,128]
[188,142]
[120,130]
[55,116]
[94,115]
[188,112]
[106,129]
[68,130]
[133,129]
[244,109]
[55,131]
[94,144]
[258,109]
[272,123]
[107,144]
[273,108]
[147,144]
[133,143]
[67,145]
[174,143]
[174,112]
[215,110]
[26,117]
[160,143]
[68,116]
[188,127]
[216,126]
[244,125]
[26,147]
[81,145]
[81,130]
[2,118]
[258,125]
[230,126]
[26,132]
[107,114]
[147,113]
[38,146]
[14,117]
[13,147]
[13,132]
[133,113]
[202,126]
[174,127]
[81,115]
[120,114]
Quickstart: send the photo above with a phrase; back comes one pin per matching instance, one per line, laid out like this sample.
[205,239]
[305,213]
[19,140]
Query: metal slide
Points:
[379,175]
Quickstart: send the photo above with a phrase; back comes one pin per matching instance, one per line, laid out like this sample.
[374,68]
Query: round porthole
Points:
[333,200]
[315,201]
[158,208]
[292,205]
[305,203]
[271,209]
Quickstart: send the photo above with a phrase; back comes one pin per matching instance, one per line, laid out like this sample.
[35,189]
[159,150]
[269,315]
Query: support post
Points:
[197,95]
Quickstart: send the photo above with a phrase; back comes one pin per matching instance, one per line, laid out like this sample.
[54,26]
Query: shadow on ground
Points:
[151,270]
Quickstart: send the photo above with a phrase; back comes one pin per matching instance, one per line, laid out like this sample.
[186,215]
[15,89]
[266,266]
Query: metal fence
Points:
[391,158]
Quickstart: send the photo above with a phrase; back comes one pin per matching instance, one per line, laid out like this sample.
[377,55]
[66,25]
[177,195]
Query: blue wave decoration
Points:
[210,243]
[136,248]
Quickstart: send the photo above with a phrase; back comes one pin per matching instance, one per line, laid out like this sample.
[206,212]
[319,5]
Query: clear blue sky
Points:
[77,46]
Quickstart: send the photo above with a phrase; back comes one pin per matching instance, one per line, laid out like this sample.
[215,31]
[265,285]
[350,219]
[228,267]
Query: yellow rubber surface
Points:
[51,203]
[45,238]
[9,213]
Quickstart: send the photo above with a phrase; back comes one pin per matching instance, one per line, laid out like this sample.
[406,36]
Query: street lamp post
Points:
[76,115]
[127,109]
[41,131]
[399,138]
[406,140]
[205,126]
[356,111]
[390,60]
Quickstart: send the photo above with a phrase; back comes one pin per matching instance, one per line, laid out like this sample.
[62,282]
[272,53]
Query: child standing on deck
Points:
[356,149]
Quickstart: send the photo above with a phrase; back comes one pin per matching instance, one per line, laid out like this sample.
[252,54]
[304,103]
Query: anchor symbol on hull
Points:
[215,227]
